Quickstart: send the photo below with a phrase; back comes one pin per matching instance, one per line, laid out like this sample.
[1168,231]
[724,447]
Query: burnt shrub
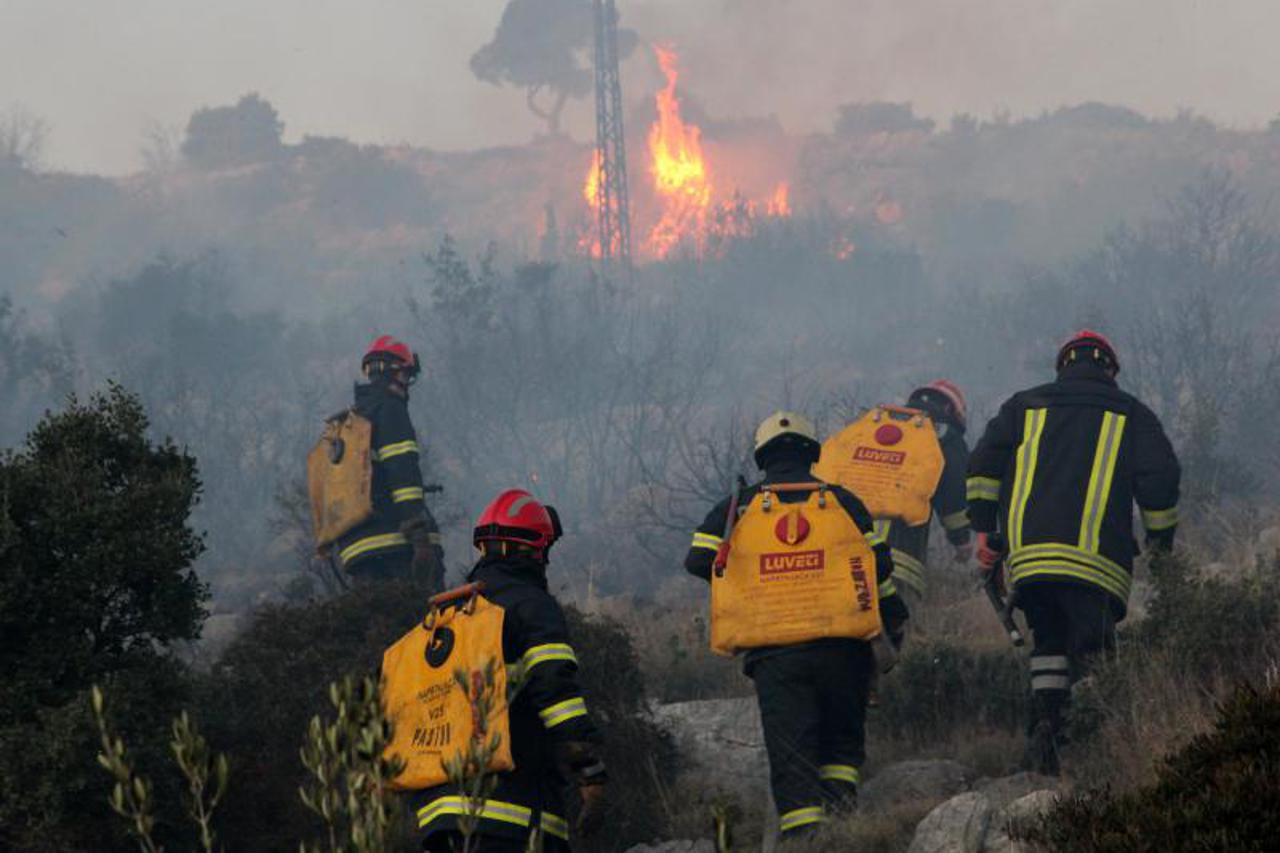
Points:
[641,759]
[939,689]
[1213,625]
[1219,792]
[271,680]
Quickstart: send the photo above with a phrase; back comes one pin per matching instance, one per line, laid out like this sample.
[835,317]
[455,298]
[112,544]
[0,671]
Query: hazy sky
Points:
[100,71]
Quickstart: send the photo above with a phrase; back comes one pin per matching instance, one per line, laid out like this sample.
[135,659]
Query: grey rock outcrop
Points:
[914,780]
[703,846]
[1020,813]
[722,742]
[1006,789]
[957,826]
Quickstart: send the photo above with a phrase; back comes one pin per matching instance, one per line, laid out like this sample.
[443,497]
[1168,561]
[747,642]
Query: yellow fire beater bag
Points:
[340,477]
[891,459]
[794,572]
[434,676]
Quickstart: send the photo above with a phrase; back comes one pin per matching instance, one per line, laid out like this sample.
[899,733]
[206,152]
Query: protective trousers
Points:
[813,705]
[1071,625]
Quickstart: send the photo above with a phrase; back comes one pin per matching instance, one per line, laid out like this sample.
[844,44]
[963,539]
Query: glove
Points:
[591,809]
[987,555]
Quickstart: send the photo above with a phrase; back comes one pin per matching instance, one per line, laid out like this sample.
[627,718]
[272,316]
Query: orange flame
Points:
[591,189]
[589,242]
[780,204]
[679,171]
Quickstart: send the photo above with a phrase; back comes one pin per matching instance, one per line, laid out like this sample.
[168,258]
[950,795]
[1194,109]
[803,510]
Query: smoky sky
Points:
[396,71]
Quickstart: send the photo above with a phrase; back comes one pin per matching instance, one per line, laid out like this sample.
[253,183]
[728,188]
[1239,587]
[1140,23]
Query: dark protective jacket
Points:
[398,497]
[1059,469]
[795,469]
[547,711]
[910,545]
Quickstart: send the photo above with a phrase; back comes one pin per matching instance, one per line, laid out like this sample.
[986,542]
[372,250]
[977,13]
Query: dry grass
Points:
[888,831]
[1141,709]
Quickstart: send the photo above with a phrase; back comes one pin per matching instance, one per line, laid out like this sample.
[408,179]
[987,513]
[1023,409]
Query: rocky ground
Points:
[724,747]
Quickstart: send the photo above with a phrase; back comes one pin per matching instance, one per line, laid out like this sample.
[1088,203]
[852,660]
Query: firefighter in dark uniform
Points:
[812,695]
[401,538]
[946,407]
[1057,473]
[554,741]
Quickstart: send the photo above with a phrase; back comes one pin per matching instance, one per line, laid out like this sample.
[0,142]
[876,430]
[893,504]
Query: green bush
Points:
[1219,792]
[1216,626]
[641,759]
[939,690]
[272,680]
[96,585]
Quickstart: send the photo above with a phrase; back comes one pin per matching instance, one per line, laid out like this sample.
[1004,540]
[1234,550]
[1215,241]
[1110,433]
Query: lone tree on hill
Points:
[544,45]
[219,137]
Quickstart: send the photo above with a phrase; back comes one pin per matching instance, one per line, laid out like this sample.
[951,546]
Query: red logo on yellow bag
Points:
[883,457]
[792,528]
[786,564]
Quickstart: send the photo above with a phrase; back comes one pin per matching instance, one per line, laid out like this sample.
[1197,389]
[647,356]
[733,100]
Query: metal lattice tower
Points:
[613,212]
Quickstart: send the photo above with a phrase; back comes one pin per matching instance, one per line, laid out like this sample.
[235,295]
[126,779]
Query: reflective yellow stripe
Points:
[709,541]
[982,489]
[1057,549]
[879,532]
[956,520]
[371,543]
[545,654]
[487,809]
[433,539]
[387,451]
[887,588]
[839,773]
[1025,472]
[1156,520]
[408,493]
[1053,569]
[1100,477]
[563,712]
[554,825]
[908,570]
[797,818]
[1068,561]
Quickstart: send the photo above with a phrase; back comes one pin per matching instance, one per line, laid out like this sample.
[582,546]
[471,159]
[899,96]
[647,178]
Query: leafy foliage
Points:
[350,783]
[272,680]
[1216,793]
[248,132]
[97,552]
[920,697]
[641,758]
[96,585]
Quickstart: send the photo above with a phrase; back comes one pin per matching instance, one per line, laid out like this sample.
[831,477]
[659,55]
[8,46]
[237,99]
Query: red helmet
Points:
[1089,344]
[517,516]
[952,397]
[387,348]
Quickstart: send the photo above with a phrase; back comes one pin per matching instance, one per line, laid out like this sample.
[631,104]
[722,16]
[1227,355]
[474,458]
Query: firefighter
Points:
[943,401]
[812,695]
[401,538]
[554,741]
[1057,473]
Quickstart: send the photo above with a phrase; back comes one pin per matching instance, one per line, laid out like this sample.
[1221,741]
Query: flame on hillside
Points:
[678,169]
[684,210]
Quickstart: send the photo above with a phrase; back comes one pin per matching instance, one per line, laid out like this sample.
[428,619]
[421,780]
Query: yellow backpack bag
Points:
[340,477]
[794,572]
[434,680]
[891,459]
